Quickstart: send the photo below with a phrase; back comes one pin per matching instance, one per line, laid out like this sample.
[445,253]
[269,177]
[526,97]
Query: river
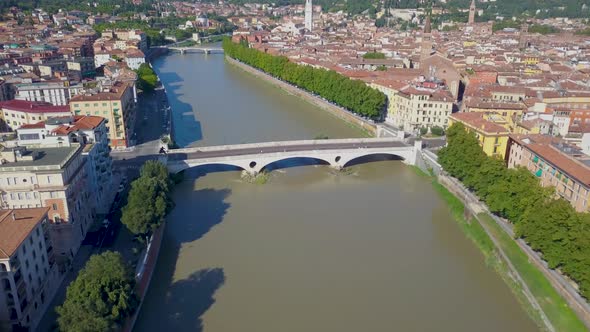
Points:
[372,249]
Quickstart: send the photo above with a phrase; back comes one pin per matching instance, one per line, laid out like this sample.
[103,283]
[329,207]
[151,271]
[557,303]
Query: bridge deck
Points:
[280,147]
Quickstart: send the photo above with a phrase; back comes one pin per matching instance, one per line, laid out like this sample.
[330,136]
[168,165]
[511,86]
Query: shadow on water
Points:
[372,158]
[187,129]
[294,162]
[183,302]
[188,299]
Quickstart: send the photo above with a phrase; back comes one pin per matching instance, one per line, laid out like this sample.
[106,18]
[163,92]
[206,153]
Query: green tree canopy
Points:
[147,79]
[353,95]
[374,55]
[149,199]
[100,298]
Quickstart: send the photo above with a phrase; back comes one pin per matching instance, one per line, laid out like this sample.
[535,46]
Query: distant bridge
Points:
[254,158]
[196,49]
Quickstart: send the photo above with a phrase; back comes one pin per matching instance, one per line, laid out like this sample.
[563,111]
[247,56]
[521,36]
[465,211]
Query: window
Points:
[53,194]
[48,179]
[54,206]
[28,136]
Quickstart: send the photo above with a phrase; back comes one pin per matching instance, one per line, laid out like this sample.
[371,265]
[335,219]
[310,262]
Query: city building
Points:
[54,92]
[90,131]
[417,105]
[27,263]
[308,15]
[53,177]
[489,129]
[116,103]
[556,164]
[16,113]
[471,19]
[29,276]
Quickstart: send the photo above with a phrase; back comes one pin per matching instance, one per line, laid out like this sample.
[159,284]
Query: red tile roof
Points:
[542,146]
[477,121]
[33,107]
[13,231]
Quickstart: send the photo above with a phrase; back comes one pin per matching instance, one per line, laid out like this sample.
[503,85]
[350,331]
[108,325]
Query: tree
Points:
[437,131]
[462,155]
[374,55]
[149,200]
[353,95]
[100,298]
[146,77]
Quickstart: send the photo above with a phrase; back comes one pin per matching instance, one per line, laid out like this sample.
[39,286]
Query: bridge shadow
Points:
[186,128]
[197,172]
[178,305]
[372,158]
[294,162]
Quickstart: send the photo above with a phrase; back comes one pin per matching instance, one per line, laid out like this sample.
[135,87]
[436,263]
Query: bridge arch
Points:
[294,162]
[370,157]
[208,167]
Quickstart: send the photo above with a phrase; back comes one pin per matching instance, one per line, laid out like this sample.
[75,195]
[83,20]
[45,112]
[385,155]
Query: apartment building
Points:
[90,131]
[54,92]
[116,103]
[16,113]
[490,130]
[29,276]
[413,106]
[53,177]
[556,164]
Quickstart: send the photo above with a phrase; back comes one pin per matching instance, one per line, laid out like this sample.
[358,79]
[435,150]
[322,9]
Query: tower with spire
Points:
[308,15]
[426,47]
[471,13]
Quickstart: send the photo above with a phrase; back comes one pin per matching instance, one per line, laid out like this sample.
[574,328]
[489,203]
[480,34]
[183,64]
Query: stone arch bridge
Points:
[253,158]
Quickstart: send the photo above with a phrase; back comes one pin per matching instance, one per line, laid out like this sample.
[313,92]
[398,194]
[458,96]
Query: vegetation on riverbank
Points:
[552,304]
[147,79]
[364,132]
[260,178]
[550,226]
[101,298]
[149,200]
[353,95]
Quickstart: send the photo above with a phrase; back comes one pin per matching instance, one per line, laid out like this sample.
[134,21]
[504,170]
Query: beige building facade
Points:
[117,105]
[54,178]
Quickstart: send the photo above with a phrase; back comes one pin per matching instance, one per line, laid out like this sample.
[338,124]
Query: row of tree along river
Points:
[370,249]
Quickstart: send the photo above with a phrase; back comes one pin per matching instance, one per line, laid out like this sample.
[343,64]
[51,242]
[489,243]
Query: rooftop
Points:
[565,157]
[15,227]
[33,107]
[477,121]
[45,159]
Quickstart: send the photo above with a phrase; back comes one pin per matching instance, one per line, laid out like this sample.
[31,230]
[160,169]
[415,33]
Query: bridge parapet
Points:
[309,143]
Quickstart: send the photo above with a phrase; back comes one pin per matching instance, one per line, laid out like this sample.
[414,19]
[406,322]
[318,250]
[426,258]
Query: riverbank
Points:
[369,128]
[544,304]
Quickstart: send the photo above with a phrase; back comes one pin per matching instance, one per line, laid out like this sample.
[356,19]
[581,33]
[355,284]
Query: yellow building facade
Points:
[492,137]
